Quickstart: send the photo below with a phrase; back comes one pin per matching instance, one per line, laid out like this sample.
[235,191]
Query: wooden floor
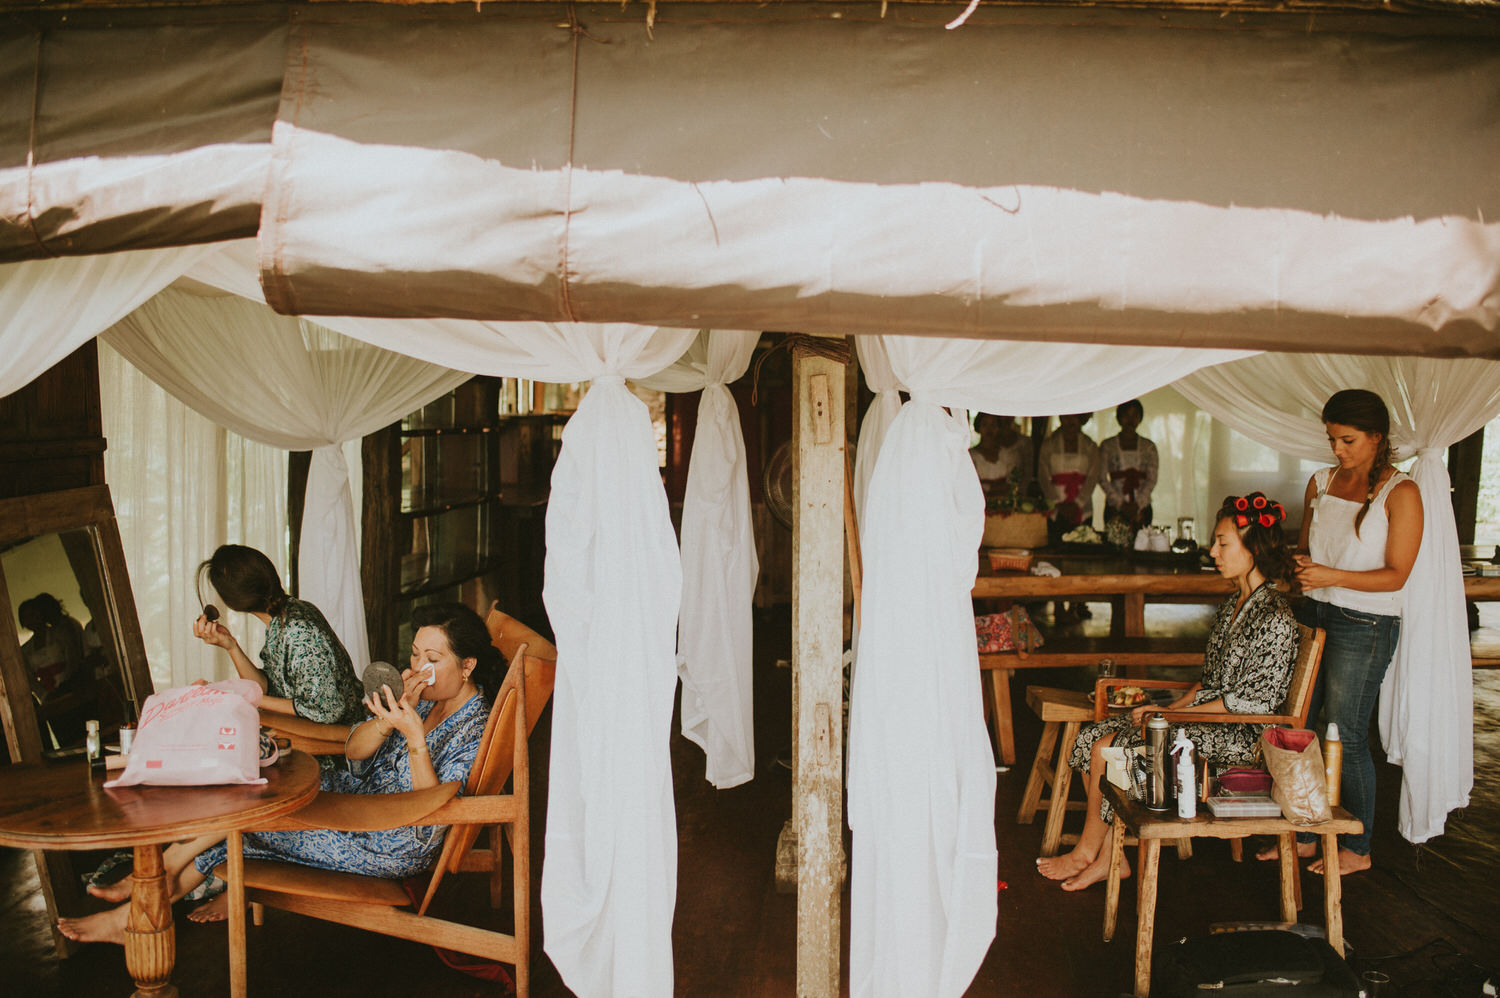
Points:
[1426,917]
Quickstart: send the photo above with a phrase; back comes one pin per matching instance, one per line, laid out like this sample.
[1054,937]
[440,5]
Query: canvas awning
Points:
[781,167]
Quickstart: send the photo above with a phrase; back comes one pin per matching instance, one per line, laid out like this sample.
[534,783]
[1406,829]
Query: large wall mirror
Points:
[70,642]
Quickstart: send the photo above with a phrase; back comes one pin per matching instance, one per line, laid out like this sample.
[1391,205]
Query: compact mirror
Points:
[378,674]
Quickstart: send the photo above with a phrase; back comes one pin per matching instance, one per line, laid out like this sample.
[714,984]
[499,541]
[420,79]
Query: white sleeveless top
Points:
[1332,542]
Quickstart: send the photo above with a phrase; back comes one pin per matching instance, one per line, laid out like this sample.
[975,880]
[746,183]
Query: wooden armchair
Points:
[383,905]
[1294,708]
[317,738]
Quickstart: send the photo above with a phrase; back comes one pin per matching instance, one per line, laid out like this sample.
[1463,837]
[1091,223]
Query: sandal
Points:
[116,866]
[211,888]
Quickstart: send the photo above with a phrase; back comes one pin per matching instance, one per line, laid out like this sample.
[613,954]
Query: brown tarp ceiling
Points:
[781,167]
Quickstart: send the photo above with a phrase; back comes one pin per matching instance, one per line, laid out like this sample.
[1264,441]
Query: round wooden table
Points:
[64,806]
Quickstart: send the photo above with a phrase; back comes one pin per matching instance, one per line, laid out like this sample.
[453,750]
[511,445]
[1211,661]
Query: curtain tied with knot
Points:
[613,590]
[921,773]
[1427,700]
[715,633]
[921,778]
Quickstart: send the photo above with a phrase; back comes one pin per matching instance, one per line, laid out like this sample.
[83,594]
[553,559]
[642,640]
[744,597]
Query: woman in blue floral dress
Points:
[429,735]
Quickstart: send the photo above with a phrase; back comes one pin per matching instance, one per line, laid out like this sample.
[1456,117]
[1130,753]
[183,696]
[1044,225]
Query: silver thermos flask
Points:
[1161,763]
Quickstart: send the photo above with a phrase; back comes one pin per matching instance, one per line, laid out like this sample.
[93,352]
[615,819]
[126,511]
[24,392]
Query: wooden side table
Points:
[1062,713]
[1154,826]
[64,806]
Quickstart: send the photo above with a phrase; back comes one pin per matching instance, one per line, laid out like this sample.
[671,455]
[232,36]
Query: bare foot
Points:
[1062,867]
[1305,850]
[1349,862]
[116,892]
[1096,871]
[102,927]
[216,910]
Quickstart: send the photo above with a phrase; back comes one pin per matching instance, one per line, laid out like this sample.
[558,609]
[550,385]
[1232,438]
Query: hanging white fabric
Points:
[921,773]
[49,308]
[921,777]
[715,632]
[312,389]
[1427,700]
[612,592]
[613,589]
[182,485]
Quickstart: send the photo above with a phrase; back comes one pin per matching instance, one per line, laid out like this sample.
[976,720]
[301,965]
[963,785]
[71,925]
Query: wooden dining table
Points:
[1127,581]
[64,806]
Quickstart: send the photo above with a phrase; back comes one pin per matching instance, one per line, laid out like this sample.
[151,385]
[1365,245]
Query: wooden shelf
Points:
[446,431]
[431,508]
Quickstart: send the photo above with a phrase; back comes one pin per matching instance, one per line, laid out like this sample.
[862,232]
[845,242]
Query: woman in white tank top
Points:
[1360,534]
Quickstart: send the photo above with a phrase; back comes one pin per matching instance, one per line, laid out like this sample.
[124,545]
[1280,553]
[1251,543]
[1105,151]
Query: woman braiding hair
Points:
[1364,411]
[1360,535]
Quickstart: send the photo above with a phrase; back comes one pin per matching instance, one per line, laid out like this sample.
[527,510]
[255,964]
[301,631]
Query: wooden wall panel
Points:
[50,433]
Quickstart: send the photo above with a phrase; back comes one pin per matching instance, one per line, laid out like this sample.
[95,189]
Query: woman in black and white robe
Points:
[1247,669]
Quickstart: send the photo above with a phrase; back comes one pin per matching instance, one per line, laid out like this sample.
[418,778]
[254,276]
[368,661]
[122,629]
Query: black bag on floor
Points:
[1266,963]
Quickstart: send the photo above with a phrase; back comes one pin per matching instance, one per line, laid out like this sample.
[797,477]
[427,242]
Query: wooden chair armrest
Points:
[312,737]
[1225,717]
[366,812]
[489,809]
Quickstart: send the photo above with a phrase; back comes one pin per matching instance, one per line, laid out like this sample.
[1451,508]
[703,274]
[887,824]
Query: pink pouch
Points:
[197,736]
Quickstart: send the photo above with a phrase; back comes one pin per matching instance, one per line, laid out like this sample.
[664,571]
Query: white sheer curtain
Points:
[921,776]
[1427,702]
[715,638]
[182,486]
[290,384]
[49,308]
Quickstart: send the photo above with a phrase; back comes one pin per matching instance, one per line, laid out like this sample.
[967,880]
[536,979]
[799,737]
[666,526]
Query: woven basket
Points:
[1015,530]
[1010,560]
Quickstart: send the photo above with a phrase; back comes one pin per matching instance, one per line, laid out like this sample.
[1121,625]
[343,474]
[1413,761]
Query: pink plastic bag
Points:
[197,736]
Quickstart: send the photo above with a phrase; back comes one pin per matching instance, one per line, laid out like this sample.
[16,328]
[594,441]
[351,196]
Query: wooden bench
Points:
[1132,653]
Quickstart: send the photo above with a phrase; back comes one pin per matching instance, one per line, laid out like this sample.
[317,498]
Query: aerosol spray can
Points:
[1333,762]
[1161,772]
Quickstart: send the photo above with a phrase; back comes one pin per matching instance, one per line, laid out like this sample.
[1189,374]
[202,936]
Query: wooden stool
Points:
[1152,827]
[1062,712]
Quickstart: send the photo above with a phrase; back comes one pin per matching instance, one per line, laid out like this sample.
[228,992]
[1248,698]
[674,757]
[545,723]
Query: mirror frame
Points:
[26,517]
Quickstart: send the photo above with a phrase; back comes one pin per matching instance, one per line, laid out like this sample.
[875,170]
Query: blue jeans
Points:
[1356,654]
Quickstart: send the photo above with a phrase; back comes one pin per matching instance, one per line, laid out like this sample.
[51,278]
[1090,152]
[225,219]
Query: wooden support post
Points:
[817,668]
[1465,464]
[380,543]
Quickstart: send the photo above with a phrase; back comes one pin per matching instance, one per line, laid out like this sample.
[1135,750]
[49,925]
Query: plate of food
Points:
[1129,697]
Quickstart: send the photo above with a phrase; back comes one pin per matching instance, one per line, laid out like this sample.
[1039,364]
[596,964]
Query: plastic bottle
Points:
[1187,776]
[1333,762]
[93,745]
